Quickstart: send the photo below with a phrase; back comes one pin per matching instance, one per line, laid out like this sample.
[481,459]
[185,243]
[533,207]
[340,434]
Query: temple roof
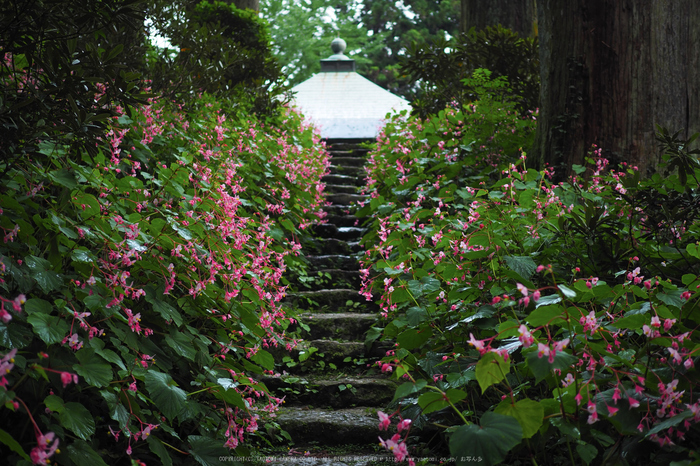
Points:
[343,104]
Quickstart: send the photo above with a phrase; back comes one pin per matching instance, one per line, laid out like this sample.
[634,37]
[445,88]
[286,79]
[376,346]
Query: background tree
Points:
[611,71]
[518,15]
[378,34]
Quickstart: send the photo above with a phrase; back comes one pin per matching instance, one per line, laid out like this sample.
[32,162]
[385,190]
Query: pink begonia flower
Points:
[655,322]
[384,421]
[67,378]
[536,296]
[568,380]
[633,402]
[525,336]
[46,447]
[611,410]
[478,344]
[404,425]
[522,289]
[542,350]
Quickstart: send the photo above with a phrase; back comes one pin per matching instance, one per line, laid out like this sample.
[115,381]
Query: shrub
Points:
[533,320]
[140,286]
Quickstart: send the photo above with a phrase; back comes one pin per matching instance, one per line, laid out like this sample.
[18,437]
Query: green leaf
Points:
[634,322]
[529,413]
[434,401]
[207,451]
[8,440]
[424,286]
[586,452]
[541,367]
[49,328]
[568,292]
[64,177]
[412,338]
[165,394]
[496,436]
[117,411]
[41,306]
[159,449]
[409,388]
[47,279]
[93,368]
[693,250]
[491,369]
[82,454]
[265,359]
[546,300]
[522,265]
[76,418]
[182,344]
[546,315]
[671,422]
[166,311]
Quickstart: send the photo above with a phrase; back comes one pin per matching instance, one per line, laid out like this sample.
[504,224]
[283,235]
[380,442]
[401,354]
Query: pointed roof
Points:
[343,104]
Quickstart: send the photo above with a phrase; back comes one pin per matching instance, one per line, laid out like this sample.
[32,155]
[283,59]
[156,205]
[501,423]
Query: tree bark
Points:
[518,15]
[250,4]
[611,70]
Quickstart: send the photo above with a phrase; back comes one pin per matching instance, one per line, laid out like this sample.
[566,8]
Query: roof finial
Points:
[338,46]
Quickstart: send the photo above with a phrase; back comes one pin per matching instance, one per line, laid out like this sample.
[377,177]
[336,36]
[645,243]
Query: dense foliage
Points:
[438,68]
[144,247]
[533,321]
[378,33]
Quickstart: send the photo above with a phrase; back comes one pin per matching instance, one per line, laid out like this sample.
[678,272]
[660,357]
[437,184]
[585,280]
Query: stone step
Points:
[333,300]
[328,230]
[340,188]
[331,351]
[339,325]
[333,392]
[325,246]
[343,220]
[349,160]
[343,180]
[346,199]
[352,171]
[339,209]
[330,427]
[323,278]
[334,261]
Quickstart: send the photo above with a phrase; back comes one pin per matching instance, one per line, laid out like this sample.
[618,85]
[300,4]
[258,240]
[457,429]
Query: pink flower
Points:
[542,350]
[522,289]
[611,410]
[525,337]
[384,421]
[568,381]
[655,322]
[478,344]
[405,424]
[536,296]
[633,402]
[46,447]
[67,378]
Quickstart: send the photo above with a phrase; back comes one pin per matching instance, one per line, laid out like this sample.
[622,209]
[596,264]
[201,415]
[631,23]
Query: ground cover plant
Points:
[141,283]
[534,321]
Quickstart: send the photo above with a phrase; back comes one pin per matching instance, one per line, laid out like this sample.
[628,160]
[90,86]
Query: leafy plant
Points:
[532,320]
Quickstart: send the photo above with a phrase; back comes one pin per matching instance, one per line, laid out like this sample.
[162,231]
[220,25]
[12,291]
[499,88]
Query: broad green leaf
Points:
[409,388]
[434,401]
[159,449]
[634,322]
[568,292]
[13,445]
[491,369]
[412,338]
[671,422]
[117,411]
[522,265]
[64,177]
[426,285]
[541,367]
[227,383]
[181,343]
[166,311]
[47,279]
[76,418]
[495,437]
[265,359]
[547,300]
[546,315]
[529,414]
[165,394]
[87,204]
[586,452]
[693,250]
[93,368]
[82,454]
[37,305]
[50,329]
[207,451]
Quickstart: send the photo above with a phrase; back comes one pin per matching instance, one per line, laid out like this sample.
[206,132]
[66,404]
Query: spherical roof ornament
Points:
[338,46]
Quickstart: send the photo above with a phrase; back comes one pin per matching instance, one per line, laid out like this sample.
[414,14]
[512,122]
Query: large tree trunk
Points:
[243,4]
[611,70]
[518,15]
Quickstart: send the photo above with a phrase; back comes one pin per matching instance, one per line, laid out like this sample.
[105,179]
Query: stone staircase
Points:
[333,390]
